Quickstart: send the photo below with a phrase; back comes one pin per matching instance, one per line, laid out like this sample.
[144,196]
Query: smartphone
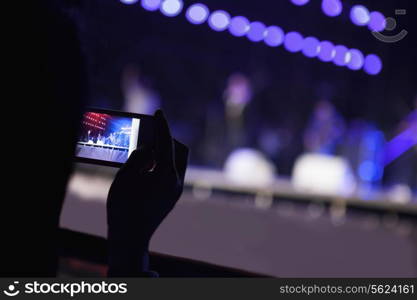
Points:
[108,137]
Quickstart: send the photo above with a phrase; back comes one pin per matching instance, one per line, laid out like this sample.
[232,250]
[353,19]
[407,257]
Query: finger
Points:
[164,146]
[139,161]
[181,159]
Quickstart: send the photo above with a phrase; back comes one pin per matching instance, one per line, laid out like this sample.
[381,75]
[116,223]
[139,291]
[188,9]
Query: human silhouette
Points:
[50,97]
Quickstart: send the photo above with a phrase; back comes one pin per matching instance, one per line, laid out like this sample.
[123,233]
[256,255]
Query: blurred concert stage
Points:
[275,231]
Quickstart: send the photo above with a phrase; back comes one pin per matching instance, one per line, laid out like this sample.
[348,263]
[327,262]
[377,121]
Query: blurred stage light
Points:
[359,15]
[256,31]
[332,8]
[377,21]
[356,59]
[400,144]
[300,2]
[197,13]
[326,51]
[128,2]
[323,174]
[249,167]
[239,26]
[370,171]
[341,57]
[151,5]
[293,41]
[171,8]
[274,36]
[311,46]
[373,64]
[219,20]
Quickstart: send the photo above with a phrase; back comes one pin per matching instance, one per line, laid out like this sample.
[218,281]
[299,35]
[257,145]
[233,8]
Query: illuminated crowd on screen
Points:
[102,129]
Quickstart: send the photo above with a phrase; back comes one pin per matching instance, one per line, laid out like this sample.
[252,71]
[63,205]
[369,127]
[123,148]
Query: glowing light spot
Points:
[171,8]
[151,5]
[311,46]
[359,15]
[128,2]
[341,57]
[219,20]
[293,41]
[327,51]
[300,2]
[274,36]
[356,59]
[332,8]
[377,21]
[372,64]
[197,13]
[256,31]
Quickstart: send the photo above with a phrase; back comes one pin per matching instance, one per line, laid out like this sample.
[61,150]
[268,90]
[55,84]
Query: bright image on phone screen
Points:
[106,137]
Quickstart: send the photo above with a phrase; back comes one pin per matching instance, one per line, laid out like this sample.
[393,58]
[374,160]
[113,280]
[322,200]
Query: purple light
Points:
[219,20]
[399,145]
[256,32]
[359,15]
[300,2]
[129,2]
[373,64]
[377,21]
[293,41]
[311,46]
[332,8]
[355,59]
[171,8]
[341,57]
[274,36]
[327,51]
[151,5]
[197,13]
[239,26]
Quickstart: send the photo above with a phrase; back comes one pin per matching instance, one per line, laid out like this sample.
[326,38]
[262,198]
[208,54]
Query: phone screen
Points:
[109,136]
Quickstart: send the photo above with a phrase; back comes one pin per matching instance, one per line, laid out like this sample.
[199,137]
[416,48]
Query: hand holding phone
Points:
[141,197]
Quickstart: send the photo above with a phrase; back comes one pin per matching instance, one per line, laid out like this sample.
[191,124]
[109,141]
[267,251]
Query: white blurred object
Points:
[323,174]
[249,167]
[400,193]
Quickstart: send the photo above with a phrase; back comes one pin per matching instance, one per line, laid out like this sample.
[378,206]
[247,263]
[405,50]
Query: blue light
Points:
[274,36]
[332,8]
[377,21]
[373,64]
[171,8]
[369,171]
[219,20]
[341,57]
[129,2]
[151,5]
[400,144]
[311,46]
[239,26]
[356,59]
[293,41]
[197,13]
[359,15]
[327,51]
[256,32]
[300,2]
